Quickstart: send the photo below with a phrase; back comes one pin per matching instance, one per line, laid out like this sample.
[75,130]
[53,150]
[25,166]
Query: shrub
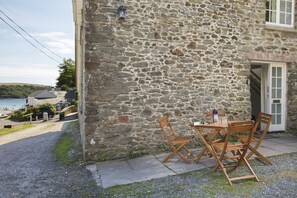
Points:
[18,115]
[64,88]
[47,105]
[21,115]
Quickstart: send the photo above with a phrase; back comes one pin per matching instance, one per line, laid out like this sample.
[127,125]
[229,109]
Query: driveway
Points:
[28,167]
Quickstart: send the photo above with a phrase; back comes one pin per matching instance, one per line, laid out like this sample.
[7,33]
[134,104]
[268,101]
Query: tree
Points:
[67,73]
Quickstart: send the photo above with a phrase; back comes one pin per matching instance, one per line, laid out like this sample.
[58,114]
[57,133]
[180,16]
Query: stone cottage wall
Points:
[168,57]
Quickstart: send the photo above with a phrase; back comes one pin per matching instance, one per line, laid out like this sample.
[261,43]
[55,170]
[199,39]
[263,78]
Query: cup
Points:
[224,120]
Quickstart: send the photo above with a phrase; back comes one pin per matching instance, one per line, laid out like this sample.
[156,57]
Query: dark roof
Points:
[42,94]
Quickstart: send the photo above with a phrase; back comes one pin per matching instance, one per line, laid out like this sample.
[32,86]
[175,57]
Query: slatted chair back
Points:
[263,120]
[235,128]
[166,128]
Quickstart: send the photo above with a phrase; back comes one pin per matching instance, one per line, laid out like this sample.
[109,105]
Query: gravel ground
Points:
[279,180]
[28,168]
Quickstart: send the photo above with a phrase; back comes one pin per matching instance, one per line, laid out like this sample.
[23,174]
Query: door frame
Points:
[266,99]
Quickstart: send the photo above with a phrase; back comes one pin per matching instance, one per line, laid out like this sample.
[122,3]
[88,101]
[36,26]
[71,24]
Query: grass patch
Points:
[63,148]
[68,149]
[15,128]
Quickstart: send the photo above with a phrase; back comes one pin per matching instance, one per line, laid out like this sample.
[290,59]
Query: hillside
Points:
[18,90]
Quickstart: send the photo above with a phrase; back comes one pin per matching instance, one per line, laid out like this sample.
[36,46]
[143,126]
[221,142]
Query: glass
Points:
[289,7]
[273,16]
[282,6]
[273,119]
[279,72]
[273,82]
[273,93]
[224,120]
[282,18]
[273,71]
[273,108]
[279,83]
[289,19]
[279,108]
[278,119]
[279,93]
[273,5]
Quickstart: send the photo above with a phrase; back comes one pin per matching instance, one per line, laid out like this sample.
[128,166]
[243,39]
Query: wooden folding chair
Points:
[176,142]
[231,153]
[263,120]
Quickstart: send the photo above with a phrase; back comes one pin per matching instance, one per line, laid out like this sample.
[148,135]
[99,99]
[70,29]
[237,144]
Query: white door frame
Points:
[277,100]
[266,90]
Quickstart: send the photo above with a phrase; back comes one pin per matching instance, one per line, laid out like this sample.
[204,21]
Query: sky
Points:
[50,28]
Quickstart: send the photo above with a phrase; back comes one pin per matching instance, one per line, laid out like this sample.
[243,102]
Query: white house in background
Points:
[44,96]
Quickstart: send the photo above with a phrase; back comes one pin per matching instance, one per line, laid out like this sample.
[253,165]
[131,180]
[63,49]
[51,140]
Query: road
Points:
[28,167]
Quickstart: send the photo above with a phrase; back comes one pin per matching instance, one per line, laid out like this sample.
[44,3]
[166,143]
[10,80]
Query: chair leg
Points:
[254,151]
[182,157]
[255,148]
[201,154]
[176,150]
[250,169]
[169,156]
[221,165]
[189,153]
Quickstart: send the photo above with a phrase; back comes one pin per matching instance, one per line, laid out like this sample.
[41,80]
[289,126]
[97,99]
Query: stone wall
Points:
[168,57]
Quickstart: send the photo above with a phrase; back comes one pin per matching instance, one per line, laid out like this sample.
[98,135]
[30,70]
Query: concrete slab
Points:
[181,167]
[208,162]
[267,152]
[287,148]
[113,166]
[144,162]
[267,144]
[126,176]
[285,140]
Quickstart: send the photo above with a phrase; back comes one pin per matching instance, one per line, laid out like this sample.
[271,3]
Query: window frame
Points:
[278,13]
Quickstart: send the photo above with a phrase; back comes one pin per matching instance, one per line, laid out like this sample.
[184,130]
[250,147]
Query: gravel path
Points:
[28,167]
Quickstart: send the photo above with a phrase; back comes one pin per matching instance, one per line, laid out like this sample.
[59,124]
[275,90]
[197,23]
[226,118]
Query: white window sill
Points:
[280,28]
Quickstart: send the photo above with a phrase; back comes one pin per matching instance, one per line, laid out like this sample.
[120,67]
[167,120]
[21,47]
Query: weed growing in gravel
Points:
[69,149]
[62,149]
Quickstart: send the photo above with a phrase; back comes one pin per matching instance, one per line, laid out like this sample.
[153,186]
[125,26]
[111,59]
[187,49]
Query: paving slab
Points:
[144,162]
[267,152]
[181,167]
[285,140]
[208,162]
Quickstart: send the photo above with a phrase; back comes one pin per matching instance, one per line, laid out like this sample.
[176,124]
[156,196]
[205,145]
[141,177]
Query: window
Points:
[280,12]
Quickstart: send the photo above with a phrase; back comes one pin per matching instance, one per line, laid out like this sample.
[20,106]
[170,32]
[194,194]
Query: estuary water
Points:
[12,104]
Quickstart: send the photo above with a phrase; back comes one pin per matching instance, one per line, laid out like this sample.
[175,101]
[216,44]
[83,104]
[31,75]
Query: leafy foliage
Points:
[18,90]
[67,73]
[21,115]
[49,105]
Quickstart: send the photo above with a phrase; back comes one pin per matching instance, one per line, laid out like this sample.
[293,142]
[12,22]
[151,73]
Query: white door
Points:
[276,95]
